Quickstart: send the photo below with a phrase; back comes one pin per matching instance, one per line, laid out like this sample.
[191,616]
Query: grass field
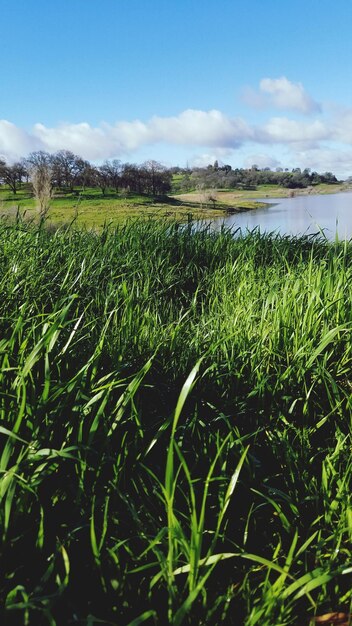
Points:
[175,426]
[93,209]
[235,197]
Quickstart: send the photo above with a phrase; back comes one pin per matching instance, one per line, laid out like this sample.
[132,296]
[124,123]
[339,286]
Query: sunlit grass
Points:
[175,426]
[93,209]
[242,196]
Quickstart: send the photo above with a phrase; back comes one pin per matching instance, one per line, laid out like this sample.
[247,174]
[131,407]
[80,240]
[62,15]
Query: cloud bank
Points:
[281,93]
[190,128]
[213,131]
[286,95]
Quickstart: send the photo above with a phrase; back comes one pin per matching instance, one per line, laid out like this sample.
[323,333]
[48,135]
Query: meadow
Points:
[92,209]
[175,426]
[233,197]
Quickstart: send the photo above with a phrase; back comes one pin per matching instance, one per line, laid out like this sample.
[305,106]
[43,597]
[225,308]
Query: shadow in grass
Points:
[98,196]
[184,204]
[17,198]
[137,198]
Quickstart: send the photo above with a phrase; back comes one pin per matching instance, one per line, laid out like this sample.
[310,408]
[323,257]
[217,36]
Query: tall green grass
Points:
[175,426]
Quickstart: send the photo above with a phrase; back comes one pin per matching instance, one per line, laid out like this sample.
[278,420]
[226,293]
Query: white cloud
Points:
[312,142]
[222,155]
[326,159]
[281,93]
[287,95]
[93,143]
[189,128]
[342,126]
[208,128]
[284,130]
[15,142]
[261,160]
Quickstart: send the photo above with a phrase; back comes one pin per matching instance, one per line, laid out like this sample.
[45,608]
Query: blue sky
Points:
[186,81]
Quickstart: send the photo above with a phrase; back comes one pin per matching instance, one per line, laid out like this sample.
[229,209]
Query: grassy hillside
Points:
[236,196]
[92,208]
[175,427]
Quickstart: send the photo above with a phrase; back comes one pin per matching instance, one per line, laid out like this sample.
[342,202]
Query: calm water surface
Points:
[299,216]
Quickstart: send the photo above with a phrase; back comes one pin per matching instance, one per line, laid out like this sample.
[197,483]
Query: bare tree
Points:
[38,159]
[131,178]
[200,190]
[157,178]
[67,168]
[102,177]
[41,178]
[86,176]
[11,175]
[112,170]
[211,196]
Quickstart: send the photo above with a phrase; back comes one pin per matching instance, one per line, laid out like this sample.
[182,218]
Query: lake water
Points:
[299,215]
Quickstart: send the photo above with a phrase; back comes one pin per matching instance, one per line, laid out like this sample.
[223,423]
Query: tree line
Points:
[225,177]
[67,171]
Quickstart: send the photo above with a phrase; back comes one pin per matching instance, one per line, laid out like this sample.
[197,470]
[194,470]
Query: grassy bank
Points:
[175,426]
[91,208]
[237,197]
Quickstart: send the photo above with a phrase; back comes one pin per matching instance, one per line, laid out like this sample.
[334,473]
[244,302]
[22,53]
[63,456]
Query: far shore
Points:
[93,209]
[242,199]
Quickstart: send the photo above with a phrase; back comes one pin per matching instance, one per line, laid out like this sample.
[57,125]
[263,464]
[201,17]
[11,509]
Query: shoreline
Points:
[260,194]
[96,212]
[238,201]
[308,191]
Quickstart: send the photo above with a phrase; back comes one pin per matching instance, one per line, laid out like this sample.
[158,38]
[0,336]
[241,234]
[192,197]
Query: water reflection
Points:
[330,214]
